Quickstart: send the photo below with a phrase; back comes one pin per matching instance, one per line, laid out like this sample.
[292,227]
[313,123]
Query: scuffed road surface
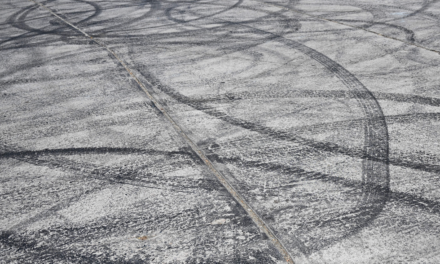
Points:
[323,115]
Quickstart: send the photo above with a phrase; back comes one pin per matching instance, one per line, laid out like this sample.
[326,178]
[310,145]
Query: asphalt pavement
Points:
[249,131]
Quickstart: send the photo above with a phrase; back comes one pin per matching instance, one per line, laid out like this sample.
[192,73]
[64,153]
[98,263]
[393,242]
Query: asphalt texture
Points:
[248,131]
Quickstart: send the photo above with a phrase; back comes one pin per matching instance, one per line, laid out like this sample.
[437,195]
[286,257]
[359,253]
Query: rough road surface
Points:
[249,131]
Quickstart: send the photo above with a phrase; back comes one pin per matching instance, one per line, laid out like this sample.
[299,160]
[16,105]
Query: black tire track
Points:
[375,152]
[228,8]
[34,157]
[18,20]
[367,108]
[406,162]
[409,34]
[35,248]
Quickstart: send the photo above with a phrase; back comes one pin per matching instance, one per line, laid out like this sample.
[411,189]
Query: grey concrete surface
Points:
[323,116]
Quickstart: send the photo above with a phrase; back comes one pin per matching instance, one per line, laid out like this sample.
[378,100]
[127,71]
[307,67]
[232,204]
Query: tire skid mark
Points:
[409,34]
[228,8]
[154,6]
[300,174]
[71,235]
[18,20]
[421,10]
[330,147]
[376,139]
[107,173]
[88,150]
[411,43]
[47,253]
[87,171]
[368,24]
[376,150]
[33,158]
[35,250]
[373,120]
[53,210]
[37,63]
[252,213]
[271,37]
[332,94]
[200,29]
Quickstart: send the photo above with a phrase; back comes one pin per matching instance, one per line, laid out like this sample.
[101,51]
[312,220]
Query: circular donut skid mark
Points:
[18,20]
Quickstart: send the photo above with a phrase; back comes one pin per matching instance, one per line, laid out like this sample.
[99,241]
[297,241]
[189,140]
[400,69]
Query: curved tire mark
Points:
[375,171]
